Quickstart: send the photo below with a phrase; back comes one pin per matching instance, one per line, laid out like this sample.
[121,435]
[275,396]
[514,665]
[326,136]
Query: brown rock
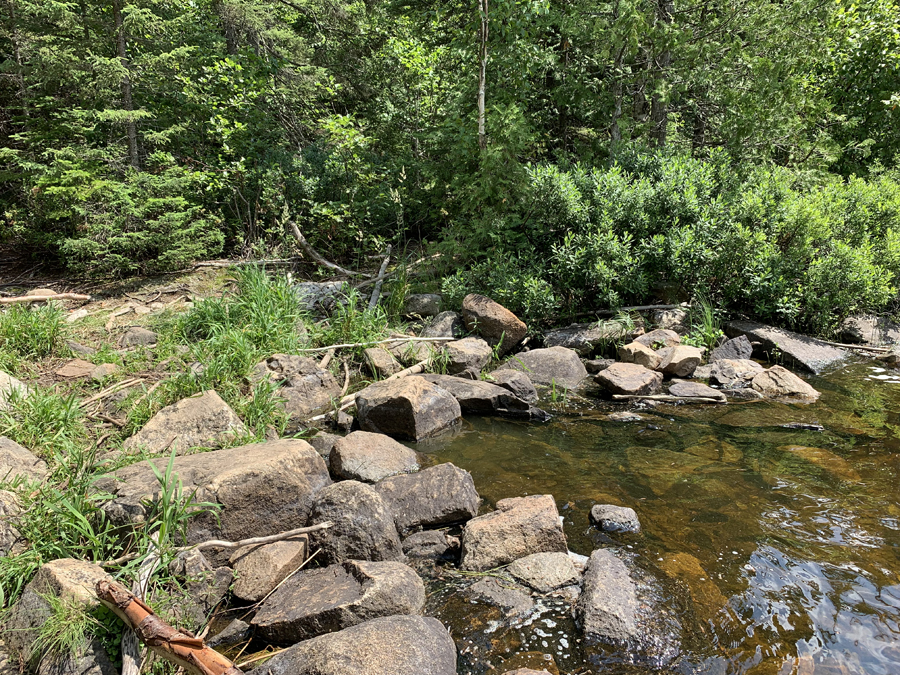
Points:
[639,353]
[408,408]
[554,366]
[381,362]
[259,569]
[369,457]
[438,495]
[76,368]
[681,361]
[17,461]
[492,321]
[470,353]
[304,386]
[629,378]
[778,382]
[659,337]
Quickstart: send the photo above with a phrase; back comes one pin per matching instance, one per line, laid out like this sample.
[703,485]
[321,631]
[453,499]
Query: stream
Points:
[772,529]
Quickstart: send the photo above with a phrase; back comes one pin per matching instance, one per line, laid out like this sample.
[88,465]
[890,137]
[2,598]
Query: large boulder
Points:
[680,361]
[554,366]
[545,572]
[587,338]
[259,569]
[8,385]
[197,421]
[735,348]
[470,355]
[260,489]
[483,398]
[17,461]
[607,609]
[778,382]
[659,338]
[422,304]
[641,354]
[492,321]
[517,382]
[629,378]
[409,408]
[445,325]
[438,495]
[362,525]
[778,344]
[369,457]
[734,373]
[392,645]
[330,599]
[519,527]
[304,387]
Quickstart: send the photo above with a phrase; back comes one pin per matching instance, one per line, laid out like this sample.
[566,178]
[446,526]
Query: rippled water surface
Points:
[776,546]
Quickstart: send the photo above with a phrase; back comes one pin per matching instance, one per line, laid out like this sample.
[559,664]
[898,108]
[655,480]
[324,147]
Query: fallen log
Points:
[312,253]
[379,280]
[178,647]
[666,398]
[44,298]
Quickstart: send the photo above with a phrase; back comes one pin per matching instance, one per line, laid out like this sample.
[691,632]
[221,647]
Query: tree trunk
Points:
[482,75]
[17,53]
[659,112]
[127,101]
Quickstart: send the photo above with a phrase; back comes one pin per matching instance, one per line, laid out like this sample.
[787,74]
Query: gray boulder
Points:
[554,366]
[517,382]
[483,398]
[492,321]
[694,390]
[393,645]
[607,609]
[408,408]
[362,525]
[734,373]
[431,545]
[326,600]
[381,362]
[445,325]
[17,461]
[197,421]
[422,304]
[735,348]
[545,572]
[438,495]
[659,338]
[259,569]
[369,457]
[611,518]
[587,338]
[304,386]
[519,527]
[510,597]
[778,382]
[793,348]
[629,378]
[468,354]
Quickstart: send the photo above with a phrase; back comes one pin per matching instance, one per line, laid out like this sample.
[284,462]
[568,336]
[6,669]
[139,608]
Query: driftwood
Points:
[312,253]
[131,646]
[373,343]
[44,298]
[379,280]
[179,647]
[859,348]
[666,398]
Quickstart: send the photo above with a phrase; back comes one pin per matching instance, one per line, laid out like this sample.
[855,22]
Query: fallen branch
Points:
[379,280]
[131,648]
[312,253]
[859,348]
[178,647]
[372,344]
[667,398]
[118,386]
[346,378]
[326,359]
[44,298]
[409,269]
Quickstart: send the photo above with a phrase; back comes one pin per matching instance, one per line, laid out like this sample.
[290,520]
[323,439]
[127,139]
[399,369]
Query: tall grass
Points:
[28,333]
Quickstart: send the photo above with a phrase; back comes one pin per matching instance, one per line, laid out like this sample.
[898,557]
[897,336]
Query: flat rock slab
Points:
[611,518]
[483,398]
[362,524]
[369,457]
[438,495]
[516,382]
[554,366]
[259,569]
[304,386]
[799,350]
[511,598]
[735,348]
[779,382]
[470,353]
[545,572]
[326,600]
[262,489]
[519,527]
[394,645]
[607,607]
[630,379]
[197,421]
[694,390]
[492,321]
[18,461]
[409,408]
[75,369]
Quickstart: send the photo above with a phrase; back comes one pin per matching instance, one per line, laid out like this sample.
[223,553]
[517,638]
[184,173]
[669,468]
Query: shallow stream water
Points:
[773,530]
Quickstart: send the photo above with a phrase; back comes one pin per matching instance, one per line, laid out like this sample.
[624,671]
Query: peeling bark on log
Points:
[44,298]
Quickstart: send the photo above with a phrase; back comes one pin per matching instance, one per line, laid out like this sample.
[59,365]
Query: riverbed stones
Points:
[735,348]
[394,645]
[197,421]
[658,338]
[261,488]
[511,598]
[259,569]
[302,384]
[629,378]
[8,385]
[381,362]
[825,459]
[326,600]
[607,607]
[492,321]
[641,354]
[553,366]
[694,390]
[438,495]
[545,572]
[611,518]
[734,373]
[516,382]
[18,461]
[484,398]
[445,325]
[519,527]
[369,457]
[431,545]
[779,382]
[680,361]
[422,304]
[793,348]
[586,338]
[75,369]
[362,524]
[409,408]
[469,354]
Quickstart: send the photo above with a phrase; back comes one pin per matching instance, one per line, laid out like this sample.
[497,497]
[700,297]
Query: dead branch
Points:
[44,298]
[379,280]
[346,378]
[178,647]
[312,253]
[372,344]
[667,398]
[118,386]
[859,348]
[326,359]
[409,268]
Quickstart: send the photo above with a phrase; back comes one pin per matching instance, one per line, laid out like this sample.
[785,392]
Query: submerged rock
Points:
[492,321]
[545,572]
[611,518]
[511,598]
[554,366]
[796,349]
[409,408]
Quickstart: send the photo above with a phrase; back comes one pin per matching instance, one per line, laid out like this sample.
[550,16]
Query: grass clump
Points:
[67,630]
[30,333]
[45,422]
